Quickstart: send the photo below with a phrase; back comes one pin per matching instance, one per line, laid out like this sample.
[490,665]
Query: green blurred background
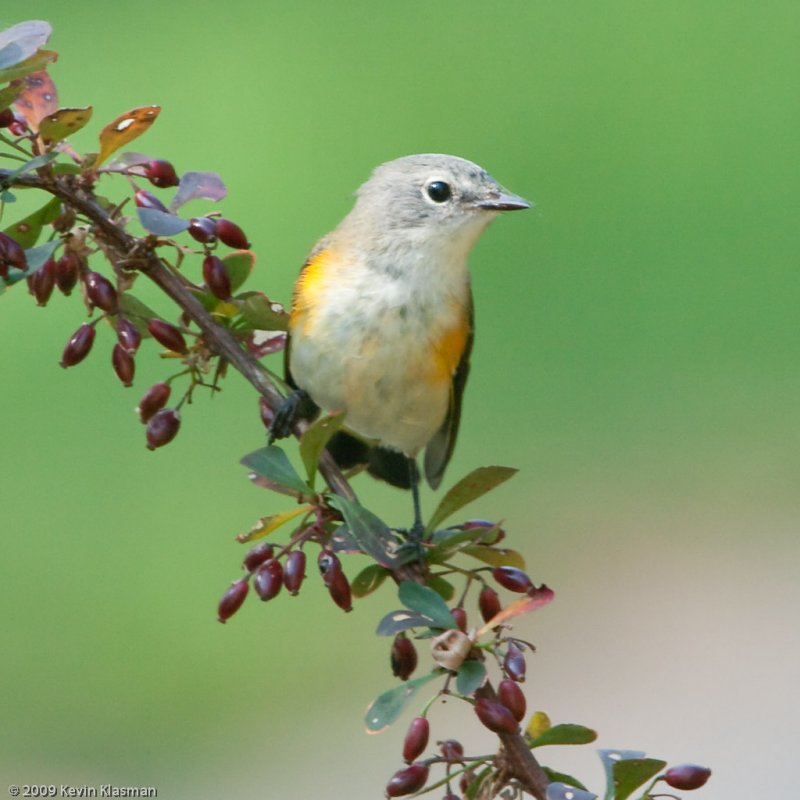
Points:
[638,357]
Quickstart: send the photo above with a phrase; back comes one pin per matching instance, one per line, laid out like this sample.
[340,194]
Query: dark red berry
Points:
[203,229]
[329,566]
[489,603]
[11,254]
[78,346]
[17,128]
[6,117]
[154,399]
[123,364]
[514,663]
[43,282]
[161,173]
[452,750]
[145,199]
[257,556]
[451,796]
[687,776]
[465,781]
[407,781]
[231,234]
[513,579]
[511,696]
[215,274]
[495,716]
[162,428]
[232,600]
[339,590]
[294,571]
[101,292]
[67,272]
[168,335]
[403,657]
[460,616]
[268,579]
[416,739]
[267,414]
[128,335]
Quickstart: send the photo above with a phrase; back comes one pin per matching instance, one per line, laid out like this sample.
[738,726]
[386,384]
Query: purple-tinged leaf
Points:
[265,343]
[372,534]
[401,620]
[387,707]
[428,602]
[198,186]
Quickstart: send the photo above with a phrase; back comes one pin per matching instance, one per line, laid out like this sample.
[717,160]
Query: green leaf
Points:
[427,602]
[449,542]
[372,534]
[387,707]
[562,777]
[471,675]
[313,441]
[443,588]
[26,231]
[610,759]
[566,733]
[400,620]
[496,556]
[261,313]
[239,265]
[34,163]
[267,525]
[477,782]
[36,62]
[273,464]
[476,484]
[8,94]
[632,773]
[133,309]
[62,123]
[368,580]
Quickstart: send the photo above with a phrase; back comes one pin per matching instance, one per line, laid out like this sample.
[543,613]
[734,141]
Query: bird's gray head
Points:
[435,194]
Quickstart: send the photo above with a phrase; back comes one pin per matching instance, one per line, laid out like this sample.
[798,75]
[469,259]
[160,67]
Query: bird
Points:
[381,323]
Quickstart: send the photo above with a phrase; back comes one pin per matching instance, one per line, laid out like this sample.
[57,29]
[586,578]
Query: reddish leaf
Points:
[540,597]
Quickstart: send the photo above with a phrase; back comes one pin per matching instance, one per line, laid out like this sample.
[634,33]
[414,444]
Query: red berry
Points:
[101,292]
[67,272]
[215,274]
[203,229]
[514,663]
[687,776]
[339,590]
[460,616]
[489,603]
[416,739]
[294,571]
[43,282]
[329,566]
[403,657]
[232,600]
[123,364]
[162,428]
[167,335]
[495,716]
[257,556]
[407,781]
[78,346]
[513,579]
[161,173]
[6,117]
[154,399]
[231,234]
[145,199]
[452,750]
[17,128]
[268,579]
[11,254]
[128,335]
[511,696]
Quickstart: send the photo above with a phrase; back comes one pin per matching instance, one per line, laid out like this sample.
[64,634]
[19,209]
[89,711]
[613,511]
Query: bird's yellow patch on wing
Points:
[310,284]
[448,349]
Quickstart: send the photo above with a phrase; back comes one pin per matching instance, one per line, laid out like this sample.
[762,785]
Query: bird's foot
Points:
[295,405]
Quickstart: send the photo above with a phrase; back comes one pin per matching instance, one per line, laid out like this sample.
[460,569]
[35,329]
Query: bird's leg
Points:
[297,404]
[418,527]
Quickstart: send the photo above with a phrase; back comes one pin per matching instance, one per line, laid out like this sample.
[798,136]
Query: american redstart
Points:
[381,325]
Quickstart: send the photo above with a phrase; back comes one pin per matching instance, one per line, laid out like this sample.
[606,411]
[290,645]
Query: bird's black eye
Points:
[439,191]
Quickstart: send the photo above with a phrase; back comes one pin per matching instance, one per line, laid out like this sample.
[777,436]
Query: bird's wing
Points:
[440,447]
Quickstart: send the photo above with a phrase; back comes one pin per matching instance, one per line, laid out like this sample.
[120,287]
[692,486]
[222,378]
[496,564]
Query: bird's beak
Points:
[503,201]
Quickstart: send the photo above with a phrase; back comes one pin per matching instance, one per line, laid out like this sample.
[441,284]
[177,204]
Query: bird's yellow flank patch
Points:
[310,283]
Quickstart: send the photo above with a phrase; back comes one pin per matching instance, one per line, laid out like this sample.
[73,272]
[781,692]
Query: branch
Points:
[130,252]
